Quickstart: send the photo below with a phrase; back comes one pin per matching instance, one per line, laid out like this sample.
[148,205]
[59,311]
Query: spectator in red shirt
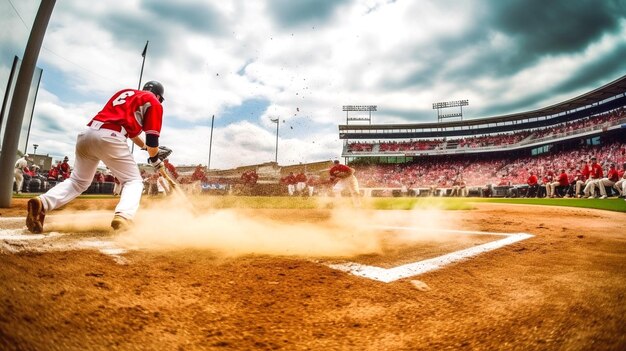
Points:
[533,185]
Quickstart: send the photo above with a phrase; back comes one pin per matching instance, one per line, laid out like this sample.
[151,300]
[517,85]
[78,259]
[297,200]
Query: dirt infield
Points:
[562,289]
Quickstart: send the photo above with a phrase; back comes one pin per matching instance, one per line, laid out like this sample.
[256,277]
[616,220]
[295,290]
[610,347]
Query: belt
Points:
[110,126]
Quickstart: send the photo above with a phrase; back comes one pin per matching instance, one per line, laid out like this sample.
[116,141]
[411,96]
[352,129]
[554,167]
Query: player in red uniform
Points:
[126,114]
[65,168]
[620,185]
[300,183]
[582,177]
[533,185]
[344,178]
[291,181]
[595,174]
[171,169]
[612,176]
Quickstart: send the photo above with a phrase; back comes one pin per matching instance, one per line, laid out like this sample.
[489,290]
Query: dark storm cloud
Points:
[597,73]
[290,13]
[553,27]
[159,23]
[49,123]
[532,30]
[197,17]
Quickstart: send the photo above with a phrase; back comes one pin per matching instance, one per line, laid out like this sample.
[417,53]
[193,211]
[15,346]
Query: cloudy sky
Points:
[245,62]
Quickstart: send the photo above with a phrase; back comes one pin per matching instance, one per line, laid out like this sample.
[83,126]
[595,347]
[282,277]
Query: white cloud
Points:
[391,54]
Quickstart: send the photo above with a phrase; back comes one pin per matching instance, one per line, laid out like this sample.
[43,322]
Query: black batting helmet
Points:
[156,88]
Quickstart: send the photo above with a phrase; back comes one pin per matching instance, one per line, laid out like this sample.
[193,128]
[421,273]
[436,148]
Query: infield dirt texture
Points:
[259,279]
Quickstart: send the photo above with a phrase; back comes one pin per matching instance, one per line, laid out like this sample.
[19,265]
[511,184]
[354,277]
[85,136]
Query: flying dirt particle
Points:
[420,285]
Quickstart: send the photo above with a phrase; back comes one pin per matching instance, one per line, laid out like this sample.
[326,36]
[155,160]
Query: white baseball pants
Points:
[93,146]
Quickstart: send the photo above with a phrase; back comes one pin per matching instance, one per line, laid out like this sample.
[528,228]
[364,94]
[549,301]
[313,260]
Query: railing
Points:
[463,150]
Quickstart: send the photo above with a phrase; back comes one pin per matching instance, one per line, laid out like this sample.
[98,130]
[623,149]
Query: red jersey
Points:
[596,171]
[290,179]
[563,179]
[532,180]
[172,169]
[198,174]
[134,110]
[585,172]
[339,168]
[301,178]
[612,175]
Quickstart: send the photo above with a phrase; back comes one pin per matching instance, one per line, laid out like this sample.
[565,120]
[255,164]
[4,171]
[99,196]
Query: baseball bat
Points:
[169,179]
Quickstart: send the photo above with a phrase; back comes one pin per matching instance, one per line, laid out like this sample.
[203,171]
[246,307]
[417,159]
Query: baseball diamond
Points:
[339,175]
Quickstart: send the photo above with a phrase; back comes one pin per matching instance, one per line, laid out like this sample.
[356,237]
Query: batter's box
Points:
[480,242]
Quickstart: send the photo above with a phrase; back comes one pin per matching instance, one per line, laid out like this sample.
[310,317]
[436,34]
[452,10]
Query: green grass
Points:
[618,205]
[388,203]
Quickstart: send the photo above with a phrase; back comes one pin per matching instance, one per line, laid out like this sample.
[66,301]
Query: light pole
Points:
[277,121]
[35,146]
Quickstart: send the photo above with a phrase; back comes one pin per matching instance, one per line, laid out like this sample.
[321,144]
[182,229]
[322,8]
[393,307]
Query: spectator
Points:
[21,166]
[64,168]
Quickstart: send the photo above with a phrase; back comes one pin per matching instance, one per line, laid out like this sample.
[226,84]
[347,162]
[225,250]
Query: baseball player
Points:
[18,173]
[620,185]
[300,183]
[127,113]
[582,177]
[65,168]
[612,176]
[291,182]
[595,175]
[345,179]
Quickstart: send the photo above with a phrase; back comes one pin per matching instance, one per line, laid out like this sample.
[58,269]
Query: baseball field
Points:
[258,273]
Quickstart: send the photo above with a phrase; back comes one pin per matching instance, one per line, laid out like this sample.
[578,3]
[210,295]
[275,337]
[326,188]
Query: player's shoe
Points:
[591,197]
[35,216]
[602,197]
[120,223]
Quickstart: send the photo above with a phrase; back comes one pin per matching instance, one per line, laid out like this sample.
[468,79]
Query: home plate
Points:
[412,269]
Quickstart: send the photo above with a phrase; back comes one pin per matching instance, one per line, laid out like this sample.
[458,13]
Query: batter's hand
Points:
[164,152]
[155,162]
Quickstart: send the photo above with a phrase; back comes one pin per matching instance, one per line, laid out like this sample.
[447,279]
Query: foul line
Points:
[416,268]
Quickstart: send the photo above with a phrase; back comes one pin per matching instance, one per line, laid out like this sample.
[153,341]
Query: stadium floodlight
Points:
[458,103]
[360,107]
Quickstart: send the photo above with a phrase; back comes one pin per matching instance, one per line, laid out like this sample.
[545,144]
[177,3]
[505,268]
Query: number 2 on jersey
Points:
[122,97]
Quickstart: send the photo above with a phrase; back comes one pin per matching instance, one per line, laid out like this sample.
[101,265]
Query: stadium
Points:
[503,231]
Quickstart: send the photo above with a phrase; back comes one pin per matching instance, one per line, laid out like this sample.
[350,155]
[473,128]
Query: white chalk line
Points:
[17,240]
[387,275]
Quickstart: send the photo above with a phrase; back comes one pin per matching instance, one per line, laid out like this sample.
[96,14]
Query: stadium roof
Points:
[602,93]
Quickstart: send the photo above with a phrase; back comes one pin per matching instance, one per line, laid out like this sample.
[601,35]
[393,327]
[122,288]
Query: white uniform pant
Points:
[93,146]
[349,183]
[291,189]
[19,179]
[620,185]
[300,186]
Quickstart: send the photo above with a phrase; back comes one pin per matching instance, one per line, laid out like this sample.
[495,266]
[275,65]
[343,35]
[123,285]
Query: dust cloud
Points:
[173,224]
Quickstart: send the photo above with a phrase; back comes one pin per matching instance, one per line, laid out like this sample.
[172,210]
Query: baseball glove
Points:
[342,175]
[164,152]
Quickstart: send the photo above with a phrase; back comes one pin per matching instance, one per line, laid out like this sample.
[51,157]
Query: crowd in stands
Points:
[500,139]
[479,171]
[568,127]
